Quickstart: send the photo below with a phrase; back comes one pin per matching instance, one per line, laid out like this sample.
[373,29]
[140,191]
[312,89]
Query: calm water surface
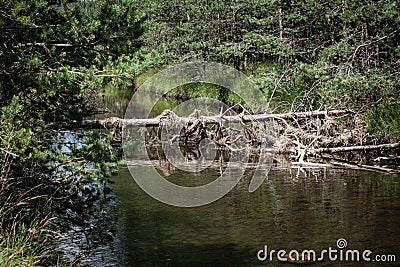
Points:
[309,211]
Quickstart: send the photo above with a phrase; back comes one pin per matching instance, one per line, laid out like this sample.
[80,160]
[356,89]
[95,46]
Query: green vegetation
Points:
[304,55]
[53,60]
[22,245]
[56,58]
[384,120]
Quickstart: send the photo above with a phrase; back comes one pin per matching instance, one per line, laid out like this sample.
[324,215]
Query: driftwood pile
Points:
[315,138]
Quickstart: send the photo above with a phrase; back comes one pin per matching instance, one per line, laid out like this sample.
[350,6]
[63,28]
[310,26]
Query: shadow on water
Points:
[286,212]
[293,209]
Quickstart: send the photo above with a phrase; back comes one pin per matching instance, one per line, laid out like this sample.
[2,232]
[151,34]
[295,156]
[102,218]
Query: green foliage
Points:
[53,60]
[196,90]
[384,120]
[225,31]
[237,32]
[59,54]
[21,150]
[336,54]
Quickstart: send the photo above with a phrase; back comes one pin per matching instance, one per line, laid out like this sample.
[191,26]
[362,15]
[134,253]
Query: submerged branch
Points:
[366,167]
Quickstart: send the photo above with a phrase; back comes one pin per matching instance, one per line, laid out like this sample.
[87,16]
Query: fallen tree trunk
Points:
[118,122]
[355,148]
[298,137]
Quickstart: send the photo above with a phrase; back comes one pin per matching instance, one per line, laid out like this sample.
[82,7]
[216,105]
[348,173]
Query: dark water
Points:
[294,209]
[309,211]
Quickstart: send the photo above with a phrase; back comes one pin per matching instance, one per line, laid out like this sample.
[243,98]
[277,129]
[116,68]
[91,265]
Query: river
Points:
[286,212]
[294,209]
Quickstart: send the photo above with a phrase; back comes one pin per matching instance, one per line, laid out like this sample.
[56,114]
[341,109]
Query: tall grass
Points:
[22,243]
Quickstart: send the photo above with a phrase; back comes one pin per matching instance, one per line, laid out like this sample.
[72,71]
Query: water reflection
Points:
[289,211]
[293,209]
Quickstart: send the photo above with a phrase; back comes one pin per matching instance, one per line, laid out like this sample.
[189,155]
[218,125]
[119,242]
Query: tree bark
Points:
[356,148]
[114,121]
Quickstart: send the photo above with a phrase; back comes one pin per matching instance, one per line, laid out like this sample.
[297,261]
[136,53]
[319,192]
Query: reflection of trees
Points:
[190,153]
[307,213]
[114,105]
[311,210]
[286,212]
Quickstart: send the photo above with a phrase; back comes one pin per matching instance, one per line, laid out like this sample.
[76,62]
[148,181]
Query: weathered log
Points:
[356,148]
[118,122]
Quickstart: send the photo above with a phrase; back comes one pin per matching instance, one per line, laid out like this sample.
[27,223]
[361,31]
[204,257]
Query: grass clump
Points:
[384,120]
[22,245]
